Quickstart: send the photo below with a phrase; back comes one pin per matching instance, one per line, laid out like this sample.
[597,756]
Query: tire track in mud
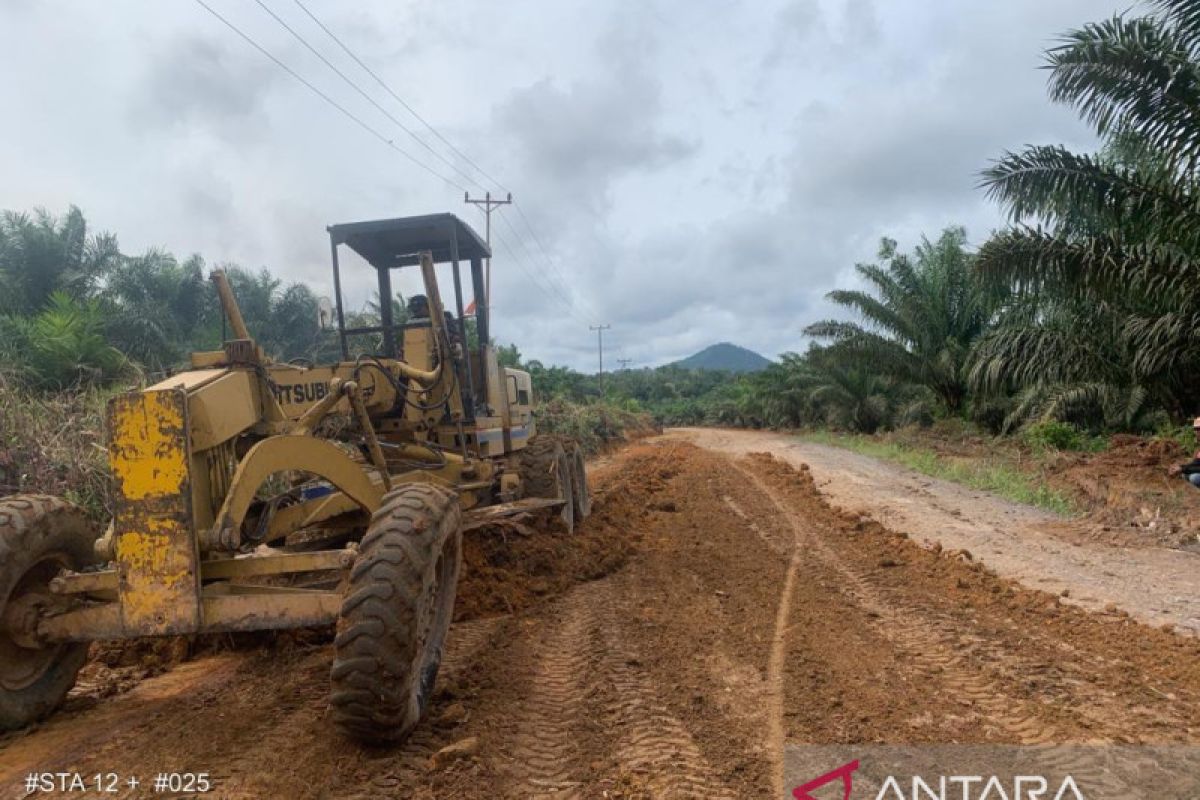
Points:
[963,651]
[394,772]
[1055,665]
[927,651]
[778,654]
[545,752]
[650,740]
[587,668]
[910,630]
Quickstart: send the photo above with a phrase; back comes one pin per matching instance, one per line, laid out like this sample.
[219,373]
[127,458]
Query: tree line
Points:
[76,311]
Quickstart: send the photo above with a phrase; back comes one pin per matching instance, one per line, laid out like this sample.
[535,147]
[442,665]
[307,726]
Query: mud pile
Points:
[507,568]
[1130,498]
[951,584]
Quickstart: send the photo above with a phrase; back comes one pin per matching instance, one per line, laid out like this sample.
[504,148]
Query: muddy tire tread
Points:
[31,526]
[376,663]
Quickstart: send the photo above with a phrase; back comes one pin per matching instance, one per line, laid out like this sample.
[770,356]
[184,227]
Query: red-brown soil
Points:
[713,609]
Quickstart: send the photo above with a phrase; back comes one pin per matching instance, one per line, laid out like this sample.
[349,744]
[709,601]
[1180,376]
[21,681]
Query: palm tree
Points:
[41,254]
[158,310]
[1104,254]
[921,320]
[847,394]
[62,346]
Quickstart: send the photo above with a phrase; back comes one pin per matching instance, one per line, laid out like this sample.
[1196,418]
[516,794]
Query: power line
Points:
[537,240]
[553,288]
[358,121]
[554,274]
[366,96]
[538,277]
[387,88]
[533,277]
[399,99]
[560,287]
[600,329]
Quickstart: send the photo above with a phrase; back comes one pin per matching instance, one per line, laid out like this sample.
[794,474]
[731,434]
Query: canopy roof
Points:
[389,243]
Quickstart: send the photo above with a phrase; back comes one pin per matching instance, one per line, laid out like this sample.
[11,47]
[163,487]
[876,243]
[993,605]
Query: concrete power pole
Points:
[600,329]
[487,204]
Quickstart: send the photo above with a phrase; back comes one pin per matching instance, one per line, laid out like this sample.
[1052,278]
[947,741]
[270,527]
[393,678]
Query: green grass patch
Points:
[997,477]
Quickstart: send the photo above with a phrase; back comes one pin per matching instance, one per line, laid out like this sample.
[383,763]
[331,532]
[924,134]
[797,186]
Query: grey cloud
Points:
[697,175]
[199,83]
[861,23]
[579,139]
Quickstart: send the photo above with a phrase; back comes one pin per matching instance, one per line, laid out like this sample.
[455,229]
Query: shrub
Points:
[1053,435]
[593,425]
[54,444]
[62,346]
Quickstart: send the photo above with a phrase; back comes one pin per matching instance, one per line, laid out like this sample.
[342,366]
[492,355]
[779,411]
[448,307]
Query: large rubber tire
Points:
[581,495]
[546,471]
[39,535]
[393,622]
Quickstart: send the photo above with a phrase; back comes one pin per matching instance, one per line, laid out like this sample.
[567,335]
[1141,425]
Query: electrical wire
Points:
[557,274]
[542,280]
[545,253]
[364,94]
[561,288]
[399,99]
[357,120]
[520,262]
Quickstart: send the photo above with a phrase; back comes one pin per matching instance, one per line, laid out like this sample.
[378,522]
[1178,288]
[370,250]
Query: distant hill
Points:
[725,356]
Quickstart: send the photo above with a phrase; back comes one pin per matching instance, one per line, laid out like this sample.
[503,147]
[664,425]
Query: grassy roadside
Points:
[1013,483]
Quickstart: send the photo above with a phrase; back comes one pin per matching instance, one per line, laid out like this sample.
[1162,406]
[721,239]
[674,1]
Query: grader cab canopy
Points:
[389,244]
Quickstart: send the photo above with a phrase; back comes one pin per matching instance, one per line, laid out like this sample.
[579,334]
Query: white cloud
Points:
[697,172]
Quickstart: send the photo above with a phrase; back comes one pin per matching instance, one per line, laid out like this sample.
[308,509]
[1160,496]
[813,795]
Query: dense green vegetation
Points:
[75,311]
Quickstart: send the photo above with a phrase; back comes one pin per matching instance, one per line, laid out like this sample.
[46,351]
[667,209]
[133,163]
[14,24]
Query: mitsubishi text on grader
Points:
[253,495]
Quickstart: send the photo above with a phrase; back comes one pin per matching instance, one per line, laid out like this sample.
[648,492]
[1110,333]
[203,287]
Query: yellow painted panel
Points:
[222,408]
[148,451]
[155,543]
[155,569]
[188,380]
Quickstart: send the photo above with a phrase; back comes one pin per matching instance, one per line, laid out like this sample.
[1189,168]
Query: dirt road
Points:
[718,609]
[1157,586]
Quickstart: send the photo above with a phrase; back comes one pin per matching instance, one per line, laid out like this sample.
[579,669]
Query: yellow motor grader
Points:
[254,495]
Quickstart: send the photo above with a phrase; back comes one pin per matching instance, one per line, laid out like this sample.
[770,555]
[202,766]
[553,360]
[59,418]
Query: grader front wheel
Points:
[395,616]
[39,536]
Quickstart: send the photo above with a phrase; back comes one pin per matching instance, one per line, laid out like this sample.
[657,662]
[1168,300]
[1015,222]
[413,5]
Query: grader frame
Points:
[206,538]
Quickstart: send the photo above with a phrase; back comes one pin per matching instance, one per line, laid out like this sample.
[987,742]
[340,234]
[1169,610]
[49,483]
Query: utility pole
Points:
[600,329]
[487,204]
[624,362]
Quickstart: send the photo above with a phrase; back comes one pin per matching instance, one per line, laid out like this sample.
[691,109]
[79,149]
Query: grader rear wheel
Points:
[546,471]
[582,497]
[394,619]
[39,536]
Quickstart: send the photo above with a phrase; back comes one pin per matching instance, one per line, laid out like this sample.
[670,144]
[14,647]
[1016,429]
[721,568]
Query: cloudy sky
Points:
[688,172]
